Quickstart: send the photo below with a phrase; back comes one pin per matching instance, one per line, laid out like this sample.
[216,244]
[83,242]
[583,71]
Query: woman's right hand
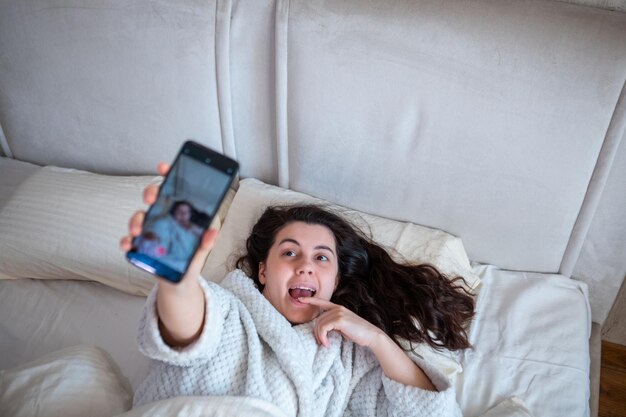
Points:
[136,221]
[180,307]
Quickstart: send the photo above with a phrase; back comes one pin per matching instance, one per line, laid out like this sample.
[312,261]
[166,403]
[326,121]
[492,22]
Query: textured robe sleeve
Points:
[151,342]
[375,394]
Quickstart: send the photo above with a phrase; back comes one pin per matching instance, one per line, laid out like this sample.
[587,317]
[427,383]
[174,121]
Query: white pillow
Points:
[406,241]
[411,242]
[511,407]
[66,224]
[77,381]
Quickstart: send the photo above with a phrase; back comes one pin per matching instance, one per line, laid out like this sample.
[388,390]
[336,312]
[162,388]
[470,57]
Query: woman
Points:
[310,323]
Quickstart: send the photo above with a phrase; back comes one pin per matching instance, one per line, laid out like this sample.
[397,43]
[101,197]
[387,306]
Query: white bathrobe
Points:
[247,348]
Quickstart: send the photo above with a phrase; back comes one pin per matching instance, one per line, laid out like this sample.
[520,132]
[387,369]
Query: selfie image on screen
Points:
[175,223]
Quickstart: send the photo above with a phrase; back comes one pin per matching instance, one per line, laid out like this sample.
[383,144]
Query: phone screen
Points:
[188,200]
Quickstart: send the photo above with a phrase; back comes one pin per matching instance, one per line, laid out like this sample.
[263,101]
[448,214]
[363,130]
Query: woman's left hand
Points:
[393,360]
[339,318]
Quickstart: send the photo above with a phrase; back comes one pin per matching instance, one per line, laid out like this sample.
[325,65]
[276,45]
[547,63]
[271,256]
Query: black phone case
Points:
[151,258]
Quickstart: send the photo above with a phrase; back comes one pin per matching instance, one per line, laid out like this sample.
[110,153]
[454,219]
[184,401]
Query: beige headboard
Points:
[501,122]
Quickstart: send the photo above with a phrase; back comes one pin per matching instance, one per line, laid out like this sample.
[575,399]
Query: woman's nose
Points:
[305,267]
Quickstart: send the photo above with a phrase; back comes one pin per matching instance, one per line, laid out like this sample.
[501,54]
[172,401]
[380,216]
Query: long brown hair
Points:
[412,302]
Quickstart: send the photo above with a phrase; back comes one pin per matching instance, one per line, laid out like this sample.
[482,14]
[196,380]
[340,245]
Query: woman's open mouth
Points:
[301,291]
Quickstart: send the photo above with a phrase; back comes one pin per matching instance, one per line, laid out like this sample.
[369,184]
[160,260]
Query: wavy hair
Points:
[408,302]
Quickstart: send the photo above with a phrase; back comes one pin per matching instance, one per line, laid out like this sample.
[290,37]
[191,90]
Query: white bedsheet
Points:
[543,359]
[40,317]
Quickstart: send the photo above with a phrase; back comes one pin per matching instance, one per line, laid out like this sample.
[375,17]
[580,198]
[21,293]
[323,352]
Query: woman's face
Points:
[302,262]
[182,215]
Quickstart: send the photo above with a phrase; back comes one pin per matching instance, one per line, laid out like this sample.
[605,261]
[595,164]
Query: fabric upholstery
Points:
[112,87]
[463,123]
[484,119]
[12,174]
[602,264]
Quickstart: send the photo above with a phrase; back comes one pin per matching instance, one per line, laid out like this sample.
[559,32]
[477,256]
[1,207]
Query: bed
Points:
[45,315]
[483,137]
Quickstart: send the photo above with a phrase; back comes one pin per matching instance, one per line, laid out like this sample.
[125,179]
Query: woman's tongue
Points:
[300,292]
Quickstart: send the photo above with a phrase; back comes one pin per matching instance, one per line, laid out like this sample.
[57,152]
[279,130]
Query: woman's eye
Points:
[289,253]
[322,258]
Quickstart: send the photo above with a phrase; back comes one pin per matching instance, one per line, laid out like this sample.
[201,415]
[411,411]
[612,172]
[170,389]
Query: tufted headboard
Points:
[501,122]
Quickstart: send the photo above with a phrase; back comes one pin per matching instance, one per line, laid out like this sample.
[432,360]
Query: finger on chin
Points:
[314,300]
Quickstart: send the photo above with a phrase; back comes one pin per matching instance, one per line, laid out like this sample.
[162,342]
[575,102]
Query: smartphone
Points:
[188,200]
